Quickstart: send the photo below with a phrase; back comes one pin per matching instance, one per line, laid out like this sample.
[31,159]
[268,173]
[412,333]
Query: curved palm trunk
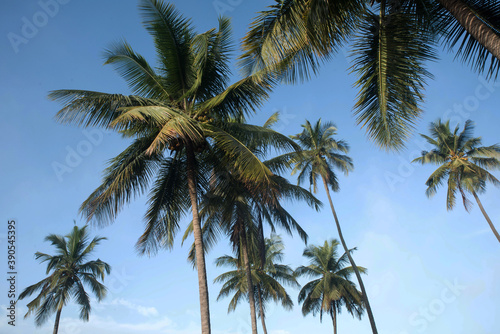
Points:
[198,243]
[56,324]
[486,216]
[351,260]
[474,26]
[261,310]
[248,272]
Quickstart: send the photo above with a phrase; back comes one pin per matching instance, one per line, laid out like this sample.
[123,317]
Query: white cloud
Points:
[143,310]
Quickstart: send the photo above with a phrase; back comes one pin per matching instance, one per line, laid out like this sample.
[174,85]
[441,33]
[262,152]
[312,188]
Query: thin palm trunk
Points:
[198,243]
[334,320]
[478,29]
[58,316]
[351,260]
[244,250]
[261,310]
[486,216]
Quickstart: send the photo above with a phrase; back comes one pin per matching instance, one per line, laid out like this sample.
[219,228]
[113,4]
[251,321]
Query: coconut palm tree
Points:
[331,288]
[69,273]
[183,118]
[320,154]
[237,207]
[267,277]
[391,40]
[463,162]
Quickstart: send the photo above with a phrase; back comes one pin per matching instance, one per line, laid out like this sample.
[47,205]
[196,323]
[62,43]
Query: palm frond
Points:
[389,55]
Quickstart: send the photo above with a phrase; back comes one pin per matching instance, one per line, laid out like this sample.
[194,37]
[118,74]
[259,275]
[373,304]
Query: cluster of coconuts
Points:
[177,144]
[204,118]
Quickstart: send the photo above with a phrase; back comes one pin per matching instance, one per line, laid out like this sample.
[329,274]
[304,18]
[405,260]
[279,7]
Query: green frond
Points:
[88,108]
[172,35]
[139,75]
[128,175]
[389,53]
[168,202]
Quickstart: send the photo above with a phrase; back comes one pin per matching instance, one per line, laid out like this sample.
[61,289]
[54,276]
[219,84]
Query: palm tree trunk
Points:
[58,316]
[244,250]
[198,243]
[478,29]
[261,310]
[486,216]
[334,320]
[351,260]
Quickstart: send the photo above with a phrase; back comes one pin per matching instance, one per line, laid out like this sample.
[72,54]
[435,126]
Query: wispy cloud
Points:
[143,310]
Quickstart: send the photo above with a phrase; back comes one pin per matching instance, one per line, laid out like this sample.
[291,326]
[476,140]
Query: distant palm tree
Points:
[68,275]
[463,162]
[183,118]
[267,278]
[320,154]
[332,288]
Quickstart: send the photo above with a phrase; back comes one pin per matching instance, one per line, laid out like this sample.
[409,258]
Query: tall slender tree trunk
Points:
[334,320]
[261,310]
[478,29]
[248,271]
[486,216]
[58,316]
[198,243]
[351,260]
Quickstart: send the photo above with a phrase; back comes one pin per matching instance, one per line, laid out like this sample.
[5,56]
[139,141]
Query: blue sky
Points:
[429,270]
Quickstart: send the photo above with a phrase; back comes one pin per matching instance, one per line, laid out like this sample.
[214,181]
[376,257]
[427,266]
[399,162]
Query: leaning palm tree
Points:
[184,119]
[69,272]
[463,161]
[320,154]
[332,288]
[391,41]
[268,277]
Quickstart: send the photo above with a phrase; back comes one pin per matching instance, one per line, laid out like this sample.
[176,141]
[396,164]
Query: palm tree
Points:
[267,277]
[183,119]
[318,157]
[390,42]
[332,288]
[237,207]
[68,274]
[463,161]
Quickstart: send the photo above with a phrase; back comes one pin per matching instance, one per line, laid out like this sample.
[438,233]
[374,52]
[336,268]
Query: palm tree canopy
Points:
[331,287]
[461,160]
[390,41]
[68,272]
[233,203]
[184,104]
[269,277]
[320,154]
